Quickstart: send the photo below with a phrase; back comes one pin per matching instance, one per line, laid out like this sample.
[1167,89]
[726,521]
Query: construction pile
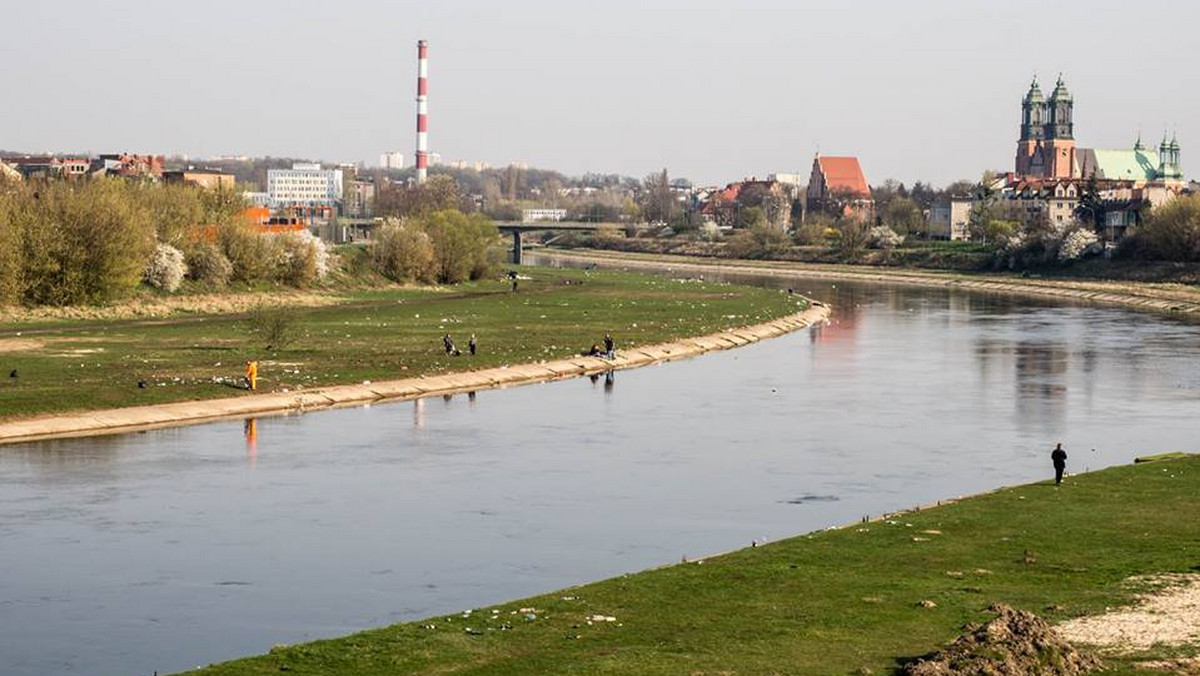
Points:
[1015,643]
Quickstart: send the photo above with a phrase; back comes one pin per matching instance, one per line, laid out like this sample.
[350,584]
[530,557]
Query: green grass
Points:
[372,334]
[832,602]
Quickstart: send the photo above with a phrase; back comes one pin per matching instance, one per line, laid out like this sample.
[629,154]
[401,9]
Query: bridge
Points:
[516,228]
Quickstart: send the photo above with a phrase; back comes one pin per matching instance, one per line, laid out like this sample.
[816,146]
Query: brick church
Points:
[1046,148]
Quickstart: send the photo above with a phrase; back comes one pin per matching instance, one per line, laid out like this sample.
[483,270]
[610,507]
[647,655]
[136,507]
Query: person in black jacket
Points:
[1059,457]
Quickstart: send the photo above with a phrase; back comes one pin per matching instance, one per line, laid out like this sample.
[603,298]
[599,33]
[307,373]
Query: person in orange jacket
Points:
[252,375]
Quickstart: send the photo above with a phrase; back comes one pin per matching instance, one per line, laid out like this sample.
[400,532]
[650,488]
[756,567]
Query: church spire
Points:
[1033,113]
[1060,110]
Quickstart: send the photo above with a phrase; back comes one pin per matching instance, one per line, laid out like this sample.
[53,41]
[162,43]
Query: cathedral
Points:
[1046,148]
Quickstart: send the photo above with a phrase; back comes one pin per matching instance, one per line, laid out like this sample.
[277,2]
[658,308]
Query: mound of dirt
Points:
[1016,643]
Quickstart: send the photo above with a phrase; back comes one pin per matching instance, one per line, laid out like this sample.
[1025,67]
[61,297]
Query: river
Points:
[173,548]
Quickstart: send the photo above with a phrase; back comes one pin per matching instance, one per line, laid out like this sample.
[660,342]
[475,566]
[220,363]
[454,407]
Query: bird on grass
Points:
[12,373]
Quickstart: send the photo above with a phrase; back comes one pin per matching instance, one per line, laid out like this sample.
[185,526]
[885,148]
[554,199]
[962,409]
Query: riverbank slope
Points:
[858,599]
[1159,297]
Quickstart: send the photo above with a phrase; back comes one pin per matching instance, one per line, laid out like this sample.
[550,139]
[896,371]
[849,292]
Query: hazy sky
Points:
[713,91]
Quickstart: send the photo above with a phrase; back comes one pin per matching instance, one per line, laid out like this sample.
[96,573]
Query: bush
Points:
[710,232]
[11,258]
[851,236]
[1078,243]
[760,241]
[253,256]
[166,268]
[208,265]
[85,244]
[883,237]
[175,210]
[274,326]
[811,232]
[302,259]
[402,253]
[1171,232]
[460,245]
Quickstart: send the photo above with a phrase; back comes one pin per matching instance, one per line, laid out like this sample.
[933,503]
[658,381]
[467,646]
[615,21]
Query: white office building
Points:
[533,215]
[392,160]
[304,185]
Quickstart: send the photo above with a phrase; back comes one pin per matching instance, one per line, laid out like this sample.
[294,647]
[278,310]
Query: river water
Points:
[169,549]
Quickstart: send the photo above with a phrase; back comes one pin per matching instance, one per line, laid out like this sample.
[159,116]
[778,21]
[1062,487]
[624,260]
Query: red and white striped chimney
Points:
[422,111]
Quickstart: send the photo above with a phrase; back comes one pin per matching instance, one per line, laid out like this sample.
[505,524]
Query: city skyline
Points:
[927,91]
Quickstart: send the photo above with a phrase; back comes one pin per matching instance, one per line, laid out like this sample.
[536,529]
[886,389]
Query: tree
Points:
[402,253]
[658,202]
[1091,207]
[1170,232]
[852,235]
[776,207]
[460,244]
[903,216]
[439,193]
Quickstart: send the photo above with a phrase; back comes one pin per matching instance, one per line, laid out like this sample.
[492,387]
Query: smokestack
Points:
[422,111]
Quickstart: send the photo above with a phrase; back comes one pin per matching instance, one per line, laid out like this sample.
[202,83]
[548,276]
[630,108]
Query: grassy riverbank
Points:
[1170,295]
[927,255]
[82,364]
[833,602]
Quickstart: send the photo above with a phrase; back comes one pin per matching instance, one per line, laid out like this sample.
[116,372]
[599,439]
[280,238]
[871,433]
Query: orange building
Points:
[838,183]
[209,179]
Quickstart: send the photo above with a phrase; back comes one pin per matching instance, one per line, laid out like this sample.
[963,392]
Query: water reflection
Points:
[250,431]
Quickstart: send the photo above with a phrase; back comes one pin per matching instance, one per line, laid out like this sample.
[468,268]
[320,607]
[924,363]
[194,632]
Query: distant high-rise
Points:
[393,159]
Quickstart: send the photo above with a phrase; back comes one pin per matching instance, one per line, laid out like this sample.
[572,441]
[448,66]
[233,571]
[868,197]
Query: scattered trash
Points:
[926,603]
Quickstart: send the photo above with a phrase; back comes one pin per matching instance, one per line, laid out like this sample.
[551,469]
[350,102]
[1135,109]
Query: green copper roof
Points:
[1126,165]
[1060,92]
[1035,93]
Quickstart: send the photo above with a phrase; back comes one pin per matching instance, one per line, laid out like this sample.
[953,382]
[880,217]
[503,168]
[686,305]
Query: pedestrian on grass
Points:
[448,342]
[1059,457]
[252,375]
[610,347]
[472,345]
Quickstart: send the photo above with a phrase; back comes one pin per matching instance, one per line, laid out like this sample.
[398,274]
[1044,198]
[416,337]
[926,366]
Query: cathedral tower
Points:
[1033,124]
[1060,133]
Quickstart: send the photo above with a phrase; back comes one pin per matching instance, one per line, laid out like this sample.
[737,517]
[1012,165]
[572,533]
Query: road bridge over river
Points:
[516,228]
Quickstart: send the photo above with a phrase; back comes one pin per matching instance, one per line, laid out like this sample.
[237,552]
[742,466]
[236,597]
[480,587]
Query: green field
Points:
[843,601]
[370,334]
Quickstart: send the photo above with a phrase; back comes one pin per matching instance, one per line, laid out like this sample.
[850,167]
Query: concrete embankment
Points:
[1127,294]
[165,415]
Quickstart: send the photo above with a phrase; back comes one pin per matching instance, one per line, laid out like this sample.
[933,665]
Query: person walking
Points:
[472,345]
[1059,457]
